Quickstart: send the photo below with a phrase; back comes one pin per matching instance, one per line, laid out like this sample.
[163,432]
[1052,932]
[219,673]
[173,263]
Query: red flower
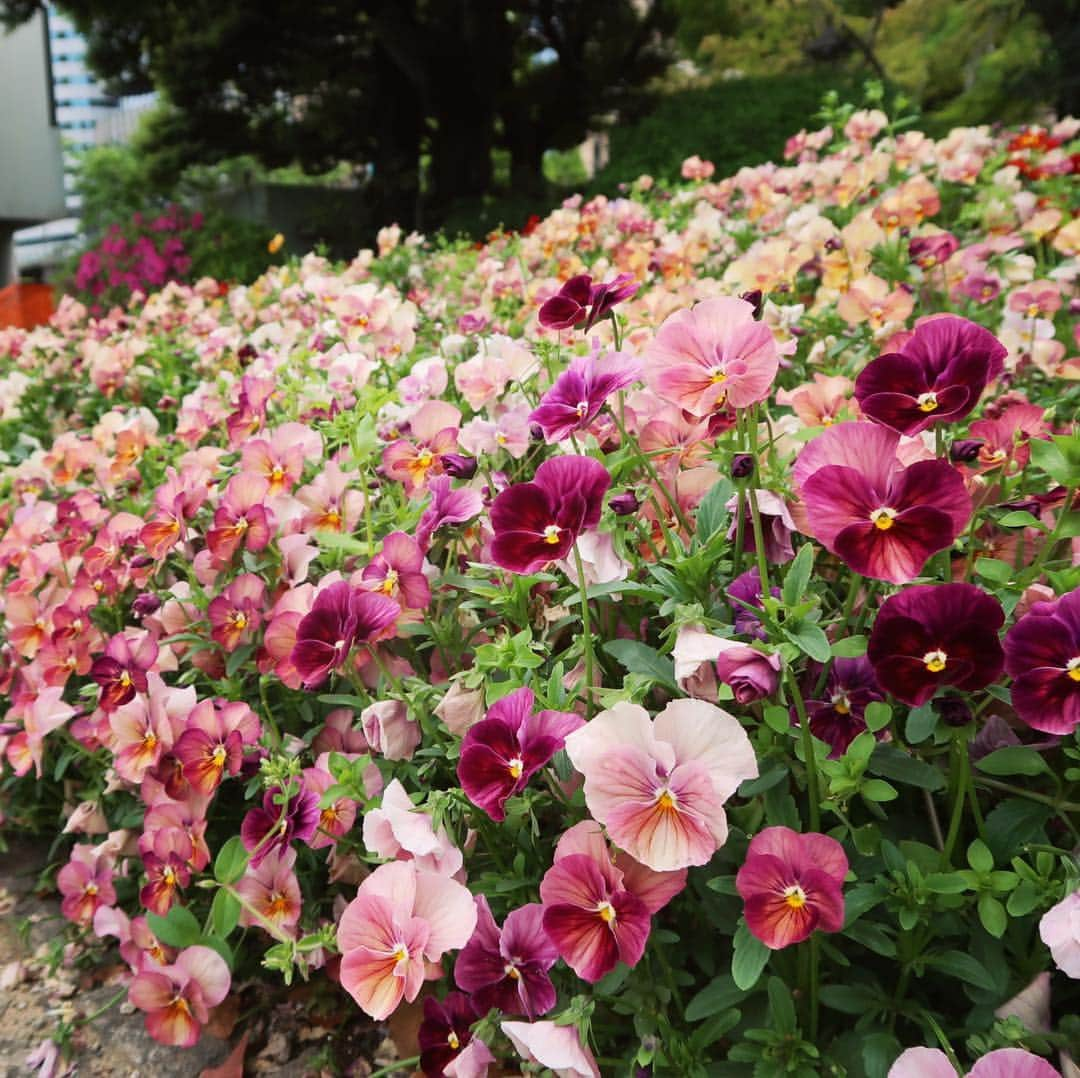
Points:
[792,884]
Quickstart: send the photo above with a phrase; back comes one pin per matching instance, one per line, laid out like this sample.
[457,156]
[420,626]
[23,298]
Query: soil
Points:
[43,982]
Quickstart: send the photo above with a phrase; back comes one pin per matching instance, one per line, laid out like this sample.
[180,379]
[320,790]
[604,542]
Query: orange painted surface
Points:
[26,305]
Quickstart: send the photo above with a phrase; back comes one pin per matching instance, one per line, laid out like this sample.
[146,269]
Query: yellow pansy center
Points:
[453,1041]
[511,971]
[582,409]
[841,704]
[1072,668]
[606,911]
[515,767]
[401,953]
[389,584]
[935,661]
[883,518]
[717,377]
[795,896]
[424,458]
[667,800]
[927,402]
[551,534]
[125,679]
[221,754]
[278,905]
[239,620]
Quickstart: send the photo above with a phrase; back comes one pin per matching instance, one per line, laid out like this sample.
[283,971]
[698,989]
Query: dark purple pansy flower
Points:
[839,718]
[1042,656]
[121,671]
[537,523]
[579,300]
[340,617]
[937,376]
[445,1032]
[884,520]
[503,750]
[936,634]
[508,968]
[579,393]
[746,587]
[299,822]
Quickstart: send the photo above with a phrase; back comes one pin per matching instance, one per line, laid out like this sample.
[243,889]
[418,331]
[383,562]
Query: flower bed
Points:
[652,641]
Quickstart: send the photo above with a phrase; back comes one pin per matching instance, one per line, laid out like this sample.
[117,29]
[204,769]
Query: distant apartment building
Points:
[86,116]
[31,170]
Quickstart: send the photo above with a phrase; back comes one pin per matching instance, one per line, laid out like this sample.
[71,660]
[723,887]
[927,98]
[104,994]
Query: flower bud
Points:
[145,604]
[458,466]
[623,505]
[953,710]
[965,450]
[742,466]
[756,299]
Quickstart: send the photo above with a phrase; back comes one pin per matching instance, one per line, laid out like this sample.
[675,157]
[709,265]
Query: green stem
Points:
[1052,539]
[393,1068]
[808,750]
[740,529]
[755,513]
[1031,795]
[963,779]
[108,1005]
[586,629]
[931,1021]
[652,473]
[814,977]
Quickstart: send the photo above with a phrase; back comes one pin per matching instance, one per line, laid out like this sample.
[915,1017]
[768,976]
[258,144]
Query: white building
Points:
[86,116]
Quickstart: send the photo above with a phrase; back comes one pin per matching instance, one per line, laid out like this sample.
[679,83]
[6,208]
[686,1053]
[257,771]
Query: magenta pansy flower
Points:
[447,506]
[839,718]
[579,393]
[265,828]
[937,376]
[397,572]
[712,354]
[792,884]
[936,634]
[537,523]
[659,785]
[444,1034]
[340,617]
[507,747]
[121,671]
[1042,656]
[579,300]
[508,968]
[882,519]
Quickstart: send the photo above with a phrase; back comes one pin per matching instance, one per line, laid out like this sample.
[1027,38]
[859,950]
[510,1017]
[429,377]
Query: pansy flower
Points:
[882,519]
[839,717]
[937,376]
[445,1035]
[537,523]
[121,671]
[1042,656]
[507,747]
[579,393]
[177,999]
[932,635]
[1001,1063]
[508,967]
[579,300]
[791,884]
[274,827]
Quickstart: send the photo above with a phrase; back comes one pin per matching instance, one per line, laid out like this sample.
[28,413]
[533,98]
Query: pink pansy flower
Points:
[883,519]
[557,1048]
[1059,929]
[398,572]
[505,749]
[1001,1063]
[177,999]
[280,459]
[242,519]
[401,918]
[46,713]
[659,786]
[399,830]
[447,506]
[434,430]
[236,613]
[389,730]
[86,884]
[213,743]
[272,890]
[167,863]
[145,729]
[507,967]
[337,818]
[710,355]
[330,504]
[792,884]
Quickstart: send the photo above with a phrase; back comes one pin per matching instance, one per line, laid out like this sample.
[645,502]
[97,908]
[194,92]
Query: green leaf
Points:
[994,570]
[846,1000]
[178,928]
[781,1007]
[878,716]
[1059,457]
[992,915]
[639,658]
[778,719]
[749,958]
[765,781]
[712,514]
[921,723]
[1020,519]
[964,967]
[224,913]
[851,647]
[342,700]
[946,883]
[1024,899]
[1013,760]
[237,659]
[231,861]
[1014,822]
[879,1052]
[873,937]
[809,638]
[798,575]
[878,790]
[979,856]
[897,765]
[718,995]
